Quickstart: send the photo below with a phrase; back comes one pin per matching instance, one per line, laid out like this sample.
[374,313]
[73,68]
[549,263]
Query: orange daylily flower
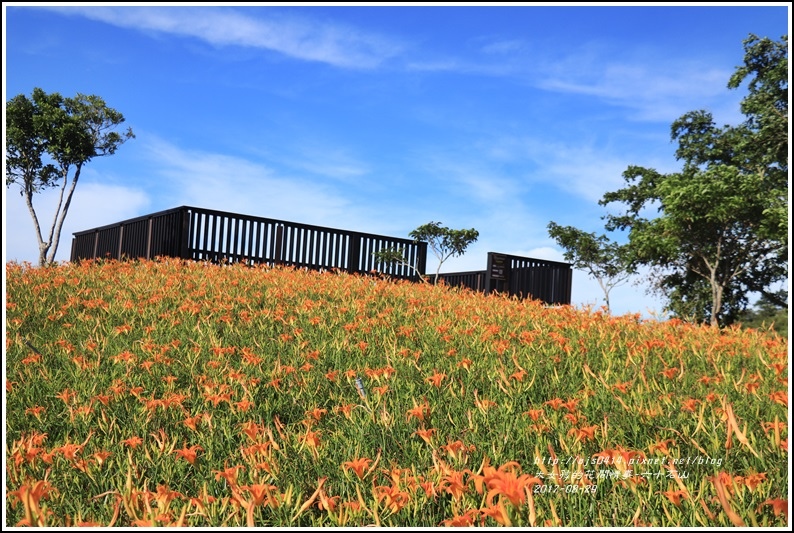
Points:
[317,413]
[32,358]
[622,387]
[780,397]
[675,496]
[229,474]
[192,422]
[509,485]
[690,404]
[778,506]
[465,363]
[429,487]
[344,409]
[554,403]
[381,390]
[436,378]
[393,497]
[359,466]
[420,411]
[260,493]
[30,455]
[189,454]
[425,434]
[326,502]
[585,433]
[132,442]
[70,450]
[498,513]
[571,404]
[101,455]
[164,496]
[753,480]
[769,426]
[252,430]
[662,446]
[467,519]
[30,495]
[312,440]
[66,395]
[454,484]
[36,411]
[244,405]
[104,399]
[484,403]
[458,449]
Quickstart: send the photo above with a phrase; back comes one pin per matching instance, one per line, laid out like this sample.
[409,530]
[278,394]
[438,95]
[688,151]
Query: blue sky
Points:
[382,118]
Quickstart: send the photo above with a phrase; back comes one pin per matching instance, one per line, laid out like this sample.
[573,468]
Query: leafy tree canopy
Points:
[722,227]
[48,140]
[443,241]
[604,260]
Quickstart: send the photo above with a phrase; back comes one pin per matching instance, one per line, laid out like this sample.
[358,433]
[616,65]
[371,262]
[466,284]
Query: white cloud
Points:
[504,46]
[322,160]
[582,169]
[301,38]
[227,183]
[654,89]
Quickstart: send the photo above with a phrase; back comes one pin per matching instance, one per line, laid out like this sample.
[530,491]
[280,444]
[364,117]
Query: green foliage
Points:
[443,241]
[722,228]
[48,136]
[766,315]
[604,260]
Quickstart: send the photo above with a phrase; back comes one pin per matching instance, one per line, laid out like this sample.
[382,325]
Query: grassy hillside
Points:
[170,393]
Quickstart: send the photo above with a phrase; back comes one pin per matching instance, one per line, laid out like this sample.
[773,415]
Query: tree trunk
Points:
[60,217]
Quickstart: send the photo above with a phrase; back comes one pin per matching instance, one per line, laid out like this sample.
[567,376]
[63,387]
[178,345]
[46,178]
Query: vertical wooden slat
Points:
[279,241]
[121,239]
[149,238]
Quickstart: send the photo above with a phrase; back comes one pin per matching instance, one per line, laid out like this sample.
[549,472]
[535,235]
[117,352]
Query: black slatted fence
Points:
[525,277]
[221,237]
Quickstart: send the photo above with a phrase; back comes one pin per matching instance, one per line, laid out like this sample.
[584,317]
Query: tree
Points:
[722,228]
[49,137]
[604,260]
[444,243]
[766,315]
